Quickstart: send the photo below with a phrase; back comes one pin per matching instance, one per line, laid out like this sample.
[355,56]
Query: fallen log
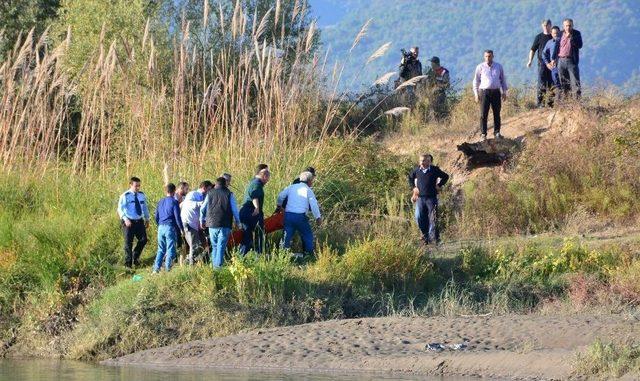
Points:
[490,152]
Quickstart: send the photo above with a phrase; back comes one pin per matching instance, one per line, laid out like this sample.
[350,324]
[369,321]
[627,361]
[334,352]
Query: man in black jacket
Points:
[544,74]
[426,181]
[569,58]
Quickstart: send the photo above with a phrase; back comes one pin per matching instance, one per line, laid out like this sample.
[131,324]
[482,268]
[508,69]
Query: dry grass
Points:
[247,104]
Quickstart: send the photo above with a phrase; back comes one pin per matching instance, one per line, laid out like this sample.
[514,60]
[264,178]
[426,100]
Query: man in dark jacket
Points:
[426,181]
[544,74]
[218,212]
[252,213]
[569,58]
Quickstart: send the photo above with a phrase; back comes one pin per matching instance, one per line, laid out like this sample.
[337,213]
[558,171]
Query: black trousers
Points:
[569,74]
[138,231]
[253,236]
[544,84]
[490,98]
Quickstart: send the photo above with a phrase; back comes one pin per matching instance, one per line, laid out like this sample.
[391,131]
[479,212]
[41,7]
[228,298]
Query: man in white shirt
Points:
[190,215]
[490,89]
[300,199]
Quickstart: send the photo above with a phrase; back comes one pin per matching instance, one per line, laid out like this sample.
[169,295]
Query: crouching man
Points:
[300,199]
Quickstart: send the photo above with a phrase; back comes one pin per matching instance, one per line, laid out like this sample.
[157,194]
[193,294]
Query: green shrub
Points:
[608,359]
[385,265]
[534,263]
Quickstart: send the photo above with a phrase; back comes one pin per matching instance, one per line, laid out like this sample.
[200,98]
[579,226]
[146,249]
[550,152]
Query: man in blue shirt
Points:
[550,59]
[169,226]
[190,214]
[251,212]
[218,212]
[134,218]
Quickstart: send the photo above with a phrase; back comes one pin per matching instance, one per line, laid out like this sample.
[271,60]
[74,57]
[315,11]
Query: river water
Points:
[50,370]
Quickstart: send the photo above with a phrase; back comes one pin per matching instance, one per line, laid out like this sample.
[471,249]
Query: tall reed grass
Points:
[256,99]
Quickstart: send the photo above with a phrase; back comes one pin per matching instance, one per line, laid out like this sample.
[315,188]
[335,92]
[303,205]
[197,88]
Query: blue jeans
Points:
[426,212]
[255,225]
[298,222]
[167,240]
[219,238]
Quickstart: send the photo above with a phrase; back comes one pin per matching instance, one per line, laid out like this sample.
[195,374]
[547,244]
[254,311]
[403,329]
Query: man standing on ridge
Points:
[300,199]
[251,212]
[426,181]
[550,58]
[568,59]
[134,217]
[489,89]
[544,74]
[439,81]
[169,228]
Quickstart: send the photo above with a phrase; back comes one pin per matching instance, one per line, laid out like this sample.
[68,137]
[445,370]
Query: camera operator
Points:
[410,65]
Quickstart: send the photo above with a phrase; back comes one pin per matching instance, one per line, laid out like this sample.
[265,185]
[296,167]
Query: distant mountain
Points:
[458,31]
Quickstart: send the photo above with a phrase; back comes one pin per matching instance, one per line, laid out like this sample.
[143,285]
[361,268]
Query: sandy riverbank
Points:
[513,346]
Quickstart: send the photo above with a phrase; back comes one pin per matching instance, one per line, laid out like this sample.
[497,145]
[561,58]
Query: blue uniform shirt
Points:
[127,206]
[168,213]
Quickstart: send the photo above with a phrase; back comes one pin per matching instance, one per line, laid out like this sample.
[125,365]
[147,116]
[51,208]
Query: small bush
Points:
[626,283]
[387,264]
[608,359]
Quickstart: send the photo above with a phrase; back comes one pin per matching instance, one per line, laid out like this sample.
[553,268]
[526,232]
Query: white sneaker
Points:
[497,135]
[483,137]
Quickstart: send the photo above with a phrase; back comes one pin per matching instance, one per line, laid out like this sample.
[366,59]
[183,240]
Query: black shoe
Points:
[136,263]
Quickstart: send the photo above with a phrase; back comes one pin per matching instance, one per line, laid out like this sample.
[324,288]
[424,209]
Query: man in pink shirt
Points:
[568,59]
[489,88]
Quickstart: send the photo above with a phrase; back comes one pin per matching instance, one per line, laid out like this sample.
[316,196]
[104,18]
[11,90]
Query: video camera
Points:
[407,56]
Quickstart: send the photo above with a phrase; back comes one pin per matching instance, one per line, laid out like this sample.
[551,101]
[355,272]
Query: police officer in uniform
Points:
[134,217]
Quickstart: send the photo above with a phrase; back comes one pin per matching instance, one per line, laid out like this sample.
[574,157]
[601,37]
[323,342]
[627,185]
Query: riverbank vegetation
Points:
[180,105]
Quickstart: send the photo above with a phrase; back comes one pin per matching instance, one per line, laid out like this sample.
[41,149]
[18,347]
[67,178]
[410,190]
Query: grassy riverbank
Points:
[554,229]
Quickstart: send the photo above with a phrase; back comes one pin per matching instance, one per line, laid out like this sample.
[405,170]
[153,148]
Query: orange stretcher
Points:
[271,224]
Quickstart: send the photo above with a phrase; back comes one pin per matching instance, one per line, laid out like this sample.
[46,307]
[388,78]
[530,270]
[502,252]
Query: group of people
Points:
[558,53]
[437,79]
[213,209]
[558,76]
[558,73]
[213,206]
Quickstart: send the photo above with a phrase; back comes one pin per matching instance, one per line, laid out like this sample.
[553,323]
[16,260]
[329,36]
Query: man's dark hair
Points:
[221,182]
[134,180]
[569,20]
[183,184]
[170,188]
[430,156]
[546,22]
[489,51]
[555,27]
[206,184]
[312,170]
[260,167]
